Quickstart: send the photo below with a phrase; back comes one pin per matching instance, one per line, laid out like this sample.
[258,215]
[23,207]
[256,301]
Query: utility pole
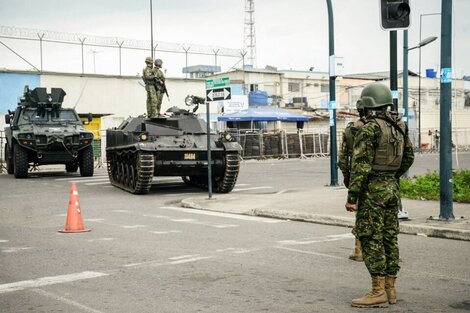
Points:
[445,155]
[332,102]
[151,30]
[393,69]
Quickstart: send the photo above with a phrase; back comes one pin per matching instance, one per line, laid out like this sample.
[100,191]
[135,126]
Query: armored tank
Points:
[42,132]
[174,144]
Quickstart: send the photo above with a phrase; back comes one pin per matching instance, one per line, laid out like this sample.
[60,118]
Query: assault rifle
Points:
[161,82]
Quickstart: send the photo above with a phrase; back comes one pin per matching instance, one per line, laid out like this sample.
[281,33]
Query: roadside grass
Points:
[427,187]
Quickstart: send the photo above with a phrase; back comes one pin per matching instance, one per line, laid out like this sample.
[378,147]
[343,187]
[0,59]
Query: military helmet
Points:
[148,60]
[158,62]
[376,96]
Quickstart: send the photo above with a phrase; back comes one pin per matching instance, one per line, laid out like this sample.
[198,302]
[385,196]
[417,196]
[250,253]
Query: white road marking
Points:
[15,249]
[184,220]
[121,211]
[226,215]
[226,249]
[144,264]
[101,239]
[241,251]
[183,257]
[3,240]
[307,241]
[81,179]
[102,183]
[224,225]
[190,221]
[310,252]
[252,188]
[186,194]
[164,232]
[95,220]
[45,281]
[192,260]
[133,226]
[65,300]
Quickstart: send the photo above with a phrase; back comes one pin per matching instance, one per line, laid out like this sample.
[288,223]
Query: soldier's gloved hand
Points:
[351,207]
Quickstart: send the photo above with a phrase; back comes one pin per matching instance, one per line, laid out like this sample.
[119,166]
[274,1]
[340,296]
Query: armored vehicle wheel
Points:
[225,183]
[131,170]
[86,162]
[71,168]
[20,159]
[8,160]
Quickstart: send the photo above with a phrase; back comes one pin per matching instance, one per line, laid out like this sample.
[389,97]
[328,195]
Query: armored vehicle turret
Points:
[42,132]
[171,145]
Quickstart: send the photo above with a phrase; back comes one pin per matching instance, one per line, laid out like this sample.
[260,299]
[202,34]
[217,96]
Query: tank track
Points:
[226,183]
[131,170]
[220,184]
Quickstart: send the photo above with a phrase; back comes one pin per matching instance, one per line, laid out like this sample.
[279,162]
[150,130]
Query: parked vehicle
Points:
[42,132]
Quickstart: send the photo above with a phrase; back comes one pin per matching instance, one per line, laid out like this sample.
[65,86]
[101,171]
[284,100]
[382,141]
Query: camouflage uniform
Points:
[148,76]
[159,85]
[374,187]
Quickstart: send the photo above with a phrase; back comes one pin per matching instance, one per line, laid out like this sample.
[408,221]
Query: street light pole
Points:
[421,44]
[419,75]
[332,104]
[151,29]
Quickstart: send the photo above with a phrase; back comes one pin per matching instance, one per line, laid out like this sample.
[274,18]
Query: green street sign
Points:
[217,83]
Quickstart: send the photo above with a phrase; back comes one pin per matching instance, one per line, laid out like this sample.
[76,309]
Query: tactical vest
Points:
[391,146]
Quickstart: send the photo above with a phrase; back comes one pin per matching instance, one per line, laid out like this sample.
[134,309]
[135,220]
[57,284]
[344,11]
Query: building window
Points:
[466,103]
[325,88]
[293,87]
[253,87]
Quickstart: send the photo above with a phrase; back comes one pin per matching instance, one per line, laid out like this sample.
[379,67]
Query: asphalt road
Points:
[147,254]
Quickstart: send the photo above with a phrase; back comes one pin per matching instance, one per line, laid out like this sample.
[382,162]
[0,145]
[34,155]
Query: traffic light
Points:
[394,14]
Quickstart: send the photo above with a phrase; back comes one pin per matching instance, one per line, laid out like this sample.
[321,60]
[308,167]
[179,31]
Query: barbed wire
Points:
[75,38]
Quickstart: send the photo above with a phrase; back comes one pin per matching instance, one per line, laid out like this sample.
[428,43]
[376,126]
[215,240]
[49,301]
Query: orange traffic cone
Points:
[74,223]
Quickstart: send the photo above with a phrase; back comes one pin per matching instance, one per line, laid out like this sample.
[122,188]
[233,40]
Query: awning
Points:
[263,114]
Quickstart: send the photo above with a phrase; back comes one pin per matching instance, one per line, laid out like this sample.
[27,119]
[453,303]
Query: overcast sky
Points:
[289,34]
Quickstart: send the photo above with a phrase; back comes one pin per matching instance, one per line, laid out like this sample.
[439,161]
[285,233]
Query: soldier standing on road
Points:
[159,83]
[345,157]
[148,76]
[382,153]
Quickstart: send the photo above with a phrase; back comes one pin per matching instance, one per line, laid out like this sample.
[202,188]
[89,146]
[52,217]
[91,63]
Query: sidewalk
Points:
[325,205]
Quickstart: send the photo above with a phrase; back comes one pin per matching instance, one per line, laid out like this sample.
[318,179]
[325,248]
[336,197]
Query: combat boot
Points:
[376,298]
[357,254]
[390,289]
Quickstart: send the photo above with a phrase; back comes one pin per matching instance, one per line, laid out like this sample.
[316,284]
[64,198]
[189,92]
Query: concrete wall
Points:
[12,86]
[119,96]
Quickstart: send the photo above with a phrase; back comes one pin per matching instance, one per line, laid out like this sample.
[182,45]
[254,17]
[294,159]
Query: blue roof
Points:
[263,114]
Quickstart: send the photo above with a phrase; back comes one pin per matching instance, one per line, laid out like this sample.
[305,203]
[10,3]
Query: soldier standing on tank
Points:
[382,153]
[345,157]
[159,84]
[148,76]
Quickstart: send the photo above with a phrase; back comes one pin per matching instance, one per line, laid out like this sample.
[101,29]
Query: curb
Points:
[405,228]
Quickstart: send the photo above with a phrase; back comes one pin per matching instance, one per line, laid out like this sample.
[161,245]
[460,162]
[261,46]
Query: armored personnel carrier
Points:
[42,132]
[171,145]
